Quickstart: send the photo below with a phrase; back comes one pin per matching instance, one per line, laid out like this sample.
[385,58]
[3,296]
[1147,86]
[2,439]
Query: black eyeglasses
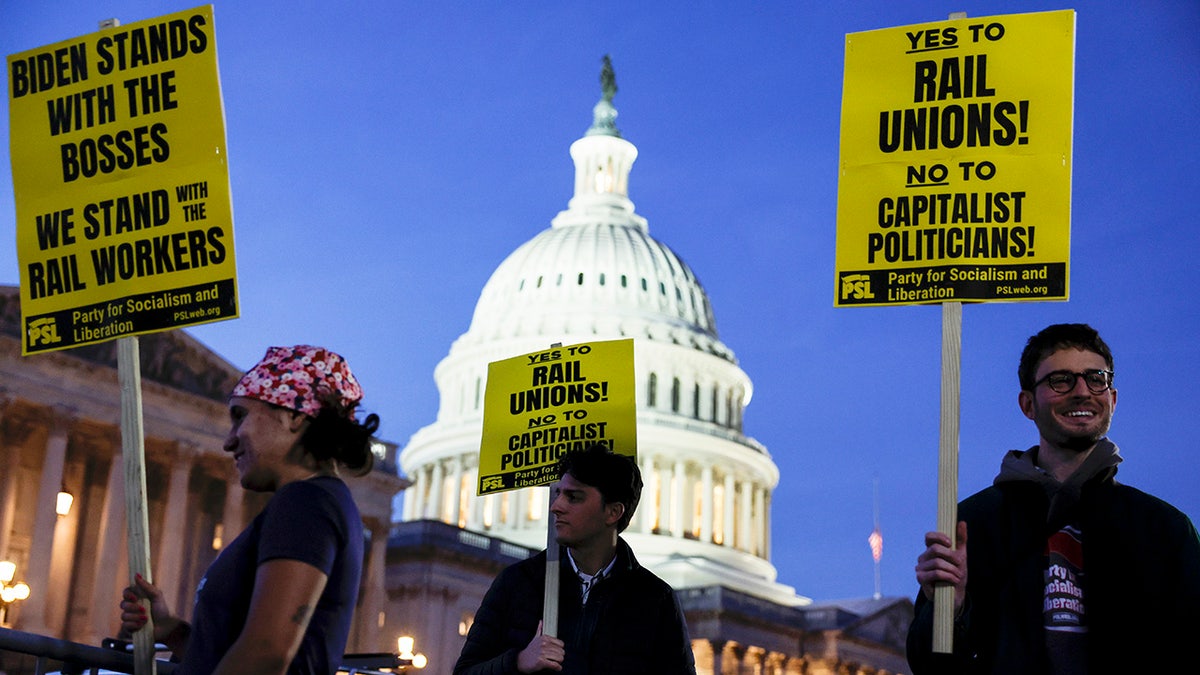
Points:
[1063,381]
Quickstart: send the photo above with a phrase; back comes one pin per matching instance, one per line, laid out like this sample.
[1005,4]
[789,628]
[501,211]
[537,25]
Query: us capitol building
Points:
[703,523]
[433,548]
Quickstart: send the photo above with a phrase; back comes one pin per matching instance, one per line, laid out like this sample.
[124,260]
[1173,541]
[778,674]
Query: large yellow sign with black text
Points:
[120,174]
[955,170]
[538,406]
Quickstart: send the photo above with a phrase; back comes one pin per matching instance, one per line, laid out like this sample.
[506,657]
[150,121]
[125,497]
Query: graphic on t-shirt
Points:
[1064,609]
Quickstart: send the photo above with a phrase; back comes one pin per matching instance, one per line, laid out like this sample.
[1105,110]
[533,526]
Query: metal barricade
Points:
[24,653]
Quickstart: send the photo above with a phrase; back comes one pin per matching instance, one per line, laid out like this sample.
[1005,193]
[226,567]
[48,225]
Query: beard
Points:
[1080,441]
[1084,442]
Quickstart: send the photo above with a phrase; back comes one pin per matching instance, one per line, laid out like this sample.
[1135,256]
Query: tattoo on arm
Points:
[303,613]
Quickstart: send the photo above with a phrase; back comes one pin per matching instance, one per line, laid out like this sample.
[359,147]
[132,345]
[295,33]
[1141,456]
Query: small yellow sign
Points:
[955,171]
[539,406]
[121,181]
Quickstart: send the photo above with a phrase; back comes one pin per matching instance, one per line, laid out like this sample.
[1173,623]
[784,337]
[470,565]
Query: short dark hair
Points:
[1053,338]
[617,477]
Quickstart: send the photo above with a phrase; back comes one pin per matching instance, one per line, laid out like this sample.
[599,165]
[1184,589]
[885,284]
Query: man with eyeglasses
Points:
[1066,571]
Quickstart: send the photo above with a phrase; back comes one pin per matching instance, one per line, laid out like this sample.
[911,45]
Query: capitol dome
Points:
[576,273]
[597,274]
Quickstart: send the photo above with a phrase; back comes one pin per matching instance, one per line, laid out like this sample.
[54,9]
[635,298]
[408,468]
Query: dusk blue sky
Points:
[385,157]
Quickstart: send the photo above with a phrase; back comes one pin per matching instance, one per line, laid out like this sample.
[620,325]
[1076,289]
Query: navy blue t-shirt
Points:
[314,521]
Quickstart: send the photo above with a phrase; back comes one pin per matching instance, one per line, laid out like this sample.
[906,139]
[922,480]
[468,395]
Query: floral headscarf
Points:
[302,378]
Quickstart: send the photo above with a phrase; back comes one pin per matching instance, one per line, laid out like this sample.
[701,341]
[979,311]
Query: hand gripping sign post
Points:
[539,406]
[124,220]
[955,185]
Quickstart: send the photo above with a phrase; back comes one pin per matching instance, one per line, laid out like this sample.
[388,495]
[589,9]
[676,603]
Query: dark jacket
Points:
[631,624]
[1141,590]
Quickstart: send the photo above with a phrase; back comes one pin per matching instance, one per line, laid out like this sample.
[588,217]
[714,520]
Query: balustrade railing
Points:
[24,653]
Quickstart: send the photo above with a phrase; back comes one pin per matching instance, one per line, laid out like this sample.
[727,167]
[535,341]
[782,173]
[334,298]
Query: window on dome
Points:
[581,278]
[539,282]
[602,278]
[696,401]
[662,288]
[558,281]
[521,286]
[624,281]
[604,178]
[644,287]
[716,398]
[675,395]
[652,392]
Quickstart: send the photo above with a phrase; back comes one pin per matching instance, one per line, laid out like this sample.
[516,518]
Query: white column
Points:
[524,509]
[745,530]
[433,509]
[706,504]
[233,514]
[677,491]
[647,502]
[491,514]
[766,524]
[760,518]
[664,499]
[476,502]
[63,556]
[374,592]
[456,470]
[410,496]
[37,573]
[504,509]
[727,520]
[171,542]
[8,488]
[12,437]
[107,587]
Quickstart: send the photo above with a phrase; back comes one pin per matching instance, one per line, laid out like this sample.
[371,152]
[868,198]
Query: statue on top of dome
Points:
[604,115]
[608,79]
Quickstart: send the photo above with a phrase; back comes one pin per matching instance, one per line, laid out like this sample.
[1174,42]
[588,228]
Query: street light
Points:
[405,645]
[383,663]
[62,505]
[10,592]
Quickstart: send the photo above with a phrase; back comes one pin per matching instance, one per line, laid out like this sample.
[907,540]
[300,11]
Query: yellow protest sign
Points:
[538,406]
[955,171]
[121,182]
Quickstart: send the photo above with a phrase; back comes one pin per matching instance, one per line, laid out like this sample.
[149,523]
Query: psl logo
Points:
[492,483]
[857,287]
[43,331]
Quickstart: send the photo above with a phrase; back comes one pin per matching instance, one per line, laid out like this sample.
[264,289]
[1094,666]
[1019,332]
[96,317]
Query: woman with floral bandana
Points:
[280,597]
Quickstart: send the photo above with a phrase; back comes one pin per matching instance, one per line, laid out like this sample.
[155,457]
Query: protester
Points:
[279,598]
[1058,568]
[615,616]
